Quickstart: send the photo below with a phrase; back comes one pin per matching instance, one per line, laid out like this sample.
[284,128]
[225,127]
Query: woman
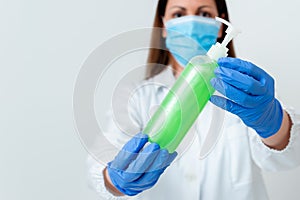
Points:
[258,133]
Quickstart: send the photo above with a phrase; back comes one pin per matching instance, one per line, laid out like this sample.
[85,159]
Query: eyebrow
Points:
[183,8]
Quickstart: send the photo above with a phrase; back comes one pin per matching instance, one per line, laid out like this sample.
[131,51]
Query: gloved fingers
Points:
[143,181]
[149,178]
[146,181]
[124,186]
[133,192]
[142,162]
[235,94]
[163,160]
[129,151]
[135,144]
[171,158]
[160,161]
[226,104]
[243,67]
[241,81]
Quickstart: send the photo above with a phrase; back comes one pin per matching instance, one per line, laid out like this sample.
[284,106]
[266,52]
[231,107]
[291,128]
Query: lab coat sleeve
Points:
[96,181]
[278,160]
[114,131]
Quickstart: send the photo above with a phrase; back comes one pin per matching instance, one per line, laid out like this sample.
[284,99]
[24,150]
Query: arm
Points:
[284,155]
[273,131]
[280,140]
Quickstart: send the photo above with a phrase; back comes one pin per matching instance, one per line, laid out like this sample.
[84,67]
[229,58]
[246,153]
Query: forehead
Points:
[191,3]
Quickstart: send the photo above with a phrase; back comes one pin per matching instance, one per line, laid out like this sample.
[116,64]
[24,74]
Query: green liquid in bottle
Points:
[183,104]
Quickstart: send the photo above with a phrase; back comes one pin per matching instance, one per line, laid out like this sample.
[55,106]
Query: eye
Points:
[177,15]
[205,14]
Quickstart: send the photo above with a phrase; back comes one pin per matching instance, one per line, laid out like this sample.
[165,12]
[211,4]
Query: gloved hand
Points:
[135,168]
[250,93]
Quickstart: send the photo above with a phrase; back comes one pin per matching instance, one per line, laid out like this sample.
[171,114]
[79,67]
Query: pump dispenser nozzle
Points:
[220,50]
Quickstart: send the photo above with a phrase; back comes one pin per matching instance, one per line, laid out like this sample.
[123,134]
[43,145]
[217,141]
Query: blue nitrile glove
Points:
[250,93]
[135,168]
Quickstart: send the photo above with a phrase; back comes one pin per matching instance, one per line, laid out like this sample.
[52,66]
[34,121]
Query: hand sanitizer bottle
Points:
[188,96]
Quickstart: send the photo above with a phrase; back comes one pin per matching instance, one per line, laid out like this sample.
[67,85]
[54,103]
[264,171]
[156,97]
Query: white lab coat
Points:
[231,172]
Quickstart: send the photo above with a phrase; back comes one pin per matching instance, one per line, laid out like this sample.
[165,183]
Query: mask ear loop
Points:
[163,21]
[164,28]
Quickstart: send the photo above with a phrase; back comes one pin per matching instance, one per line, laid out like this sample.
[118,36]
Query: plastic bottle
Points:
[188,96]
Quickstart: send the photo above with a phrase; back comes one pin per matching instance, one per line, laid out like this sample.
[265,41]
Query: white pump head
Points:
[220,50]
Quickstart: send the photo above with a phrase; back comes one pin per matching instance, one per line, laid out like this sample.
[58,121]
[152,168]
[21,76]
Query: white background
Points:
[44,43]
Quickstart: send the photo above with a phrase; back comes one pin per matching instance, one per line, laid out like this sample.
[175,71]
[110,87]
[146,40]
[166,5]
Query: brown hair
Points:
[159,56]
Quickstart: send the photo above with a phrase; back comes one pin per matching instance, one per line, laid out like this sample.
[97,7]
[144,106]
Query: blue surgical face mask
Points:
[190,36]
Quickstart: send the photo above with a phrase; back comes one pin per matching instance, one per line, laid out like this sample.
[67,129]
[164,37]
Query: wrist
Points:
[273,120]
[109,185]
[281,138]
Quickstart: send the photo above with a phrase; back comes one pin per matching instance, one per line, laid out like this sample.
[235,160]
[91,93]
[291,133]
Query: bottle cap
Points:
[220,50]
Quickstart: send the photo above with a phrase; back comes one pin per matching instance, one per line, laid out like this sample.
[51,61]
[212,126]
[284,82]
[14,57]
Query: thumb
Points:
[225,104]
